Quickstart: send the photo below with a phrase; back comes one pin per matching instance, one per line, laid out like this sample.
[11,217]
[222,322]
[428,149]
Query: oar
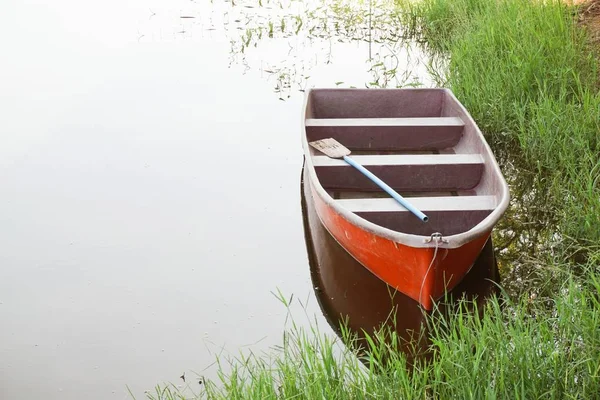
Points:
[332,148]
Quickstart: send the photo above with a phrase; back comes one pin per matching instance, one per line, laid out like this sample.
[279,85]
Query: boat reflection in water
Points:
[347,292]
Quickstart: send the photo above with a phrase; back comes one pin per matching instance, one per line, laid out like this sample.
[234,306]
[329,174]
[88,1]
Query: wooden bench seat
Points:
[448,215]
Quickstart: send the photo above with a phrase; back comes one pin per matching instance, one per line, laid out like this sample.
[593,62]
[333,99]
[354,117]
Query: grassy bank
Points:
[525,71]
[509,353]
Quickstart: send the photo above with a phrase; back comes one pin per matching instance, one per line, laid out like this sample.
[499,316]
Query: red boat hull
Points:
[421,273]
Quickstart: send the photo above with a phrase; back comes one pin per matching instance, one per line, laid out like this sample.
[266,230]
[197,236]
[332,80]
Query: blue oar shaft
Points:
[388,189]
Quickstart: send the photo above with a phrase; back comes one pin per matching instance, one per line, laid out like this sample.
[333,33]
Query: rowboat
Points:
[350,295]
[425,145]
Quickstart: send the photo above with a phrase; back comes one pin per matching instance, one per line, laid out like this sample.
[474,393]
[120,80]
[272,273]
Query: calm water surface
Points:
[150,193]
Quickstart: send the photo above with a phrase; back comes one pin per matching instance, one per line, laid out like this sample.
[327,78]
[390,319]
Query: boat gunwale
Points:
[412,240]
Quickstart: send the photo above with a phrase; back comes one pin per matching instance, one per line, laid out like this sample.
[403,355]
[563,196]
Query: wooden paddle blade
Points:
[331,147]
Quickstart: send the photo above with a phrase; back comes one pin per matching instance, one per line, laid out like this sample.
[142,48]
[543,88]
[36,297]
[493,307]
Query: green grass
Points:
[516,350]
[525,72]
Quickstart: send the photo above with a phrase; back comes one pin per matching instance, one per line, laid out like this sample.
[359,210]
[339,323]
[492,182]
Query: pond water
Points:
[150,190]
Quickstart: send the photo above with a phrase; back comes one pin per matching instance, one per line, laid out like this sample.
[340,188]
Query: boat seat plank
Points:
[401,159]
[427,121]
[423,172]
[440,203]
[447,215]
[384,134]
